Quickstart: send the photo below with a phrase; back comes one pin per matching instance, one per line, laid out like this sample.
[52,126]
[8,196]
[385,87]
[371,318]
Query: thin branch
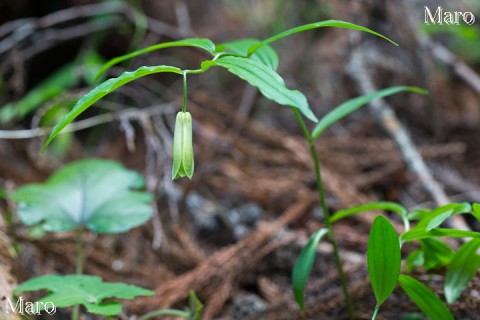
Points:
[90,122]
[462,70]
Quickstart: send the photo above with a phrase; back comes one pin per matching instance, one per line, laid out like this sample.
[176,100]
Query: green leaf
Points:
[462,269]
[414,260]
[416,234]
[327,23]
[270,84]
[303,266]
[476,211]
[94,194]
[195,306]
[51,87]
[201,43]
[90,291]
[436,253]
[437,216]
[424,298]
[266,55]
[383,258]
[418,214]
[352,105]
[102,90]
[382,205]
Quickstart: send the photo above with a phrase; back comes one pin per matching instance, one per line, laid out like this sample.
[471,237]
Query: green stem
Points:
[78,267]
[326,212]
[184,105]
[79,264]
[377,307]
[166,312]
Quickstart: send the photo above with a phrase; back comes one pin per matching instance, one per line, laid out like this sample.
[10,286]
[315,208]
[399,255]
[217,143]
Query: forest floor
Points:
[232,233]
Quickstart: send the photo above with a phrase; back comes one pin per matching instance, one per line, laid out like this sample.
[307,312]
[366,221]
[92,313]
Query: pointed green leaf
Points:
[416,234]
[383,258]
[303,266]
[476,211]
[51,87]
[201,43]
[436,253]
[94,194]
[462,269]
[315,25]
[90,291]
[195,306]
[352,105]
[102,90]
[270,84]
[381,205]
[437,216]
[424,298]
[265,55]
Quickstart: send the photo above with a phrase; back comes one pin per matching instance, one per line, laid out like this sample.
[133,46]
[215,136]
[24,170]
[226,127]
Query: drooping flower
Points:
[182,147]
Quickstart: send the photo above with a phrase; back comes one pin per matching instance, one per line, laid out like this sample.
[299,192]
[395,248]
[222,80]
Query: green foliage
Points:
[195,306]
[93,194]
[476,211]
[183,162]
[201,43]
[101,91]
[266,55]
[303,266]
[424,298]
[381,205]
[463,39]
[254,61]
[321,24]
[256,67]
[383,258]
[416,234]
[50,88]
[436,253]
[414,260]
[352,105]
[270,84]
[462,269]
[430,219]
[90,291]
[194,311]
[65,78]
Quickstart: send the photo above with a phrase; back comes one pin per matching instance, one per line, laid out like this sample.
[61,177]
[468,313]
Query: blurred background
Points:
[233,232]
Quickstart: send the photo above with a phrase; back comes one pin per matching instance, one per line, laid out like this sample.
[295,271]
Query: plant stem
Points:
[79,267]
[377,307]
[184,105]
[166,312]
[79,264]
[326,212]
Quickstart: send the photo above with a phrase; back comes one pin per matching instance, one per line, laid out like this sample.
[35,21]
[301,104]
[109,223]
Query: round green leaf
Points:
[94,194]
[90,291]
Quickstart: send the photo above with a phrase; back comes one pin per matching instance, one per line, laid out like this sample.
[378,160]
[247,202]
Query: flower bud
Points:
[182,147]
